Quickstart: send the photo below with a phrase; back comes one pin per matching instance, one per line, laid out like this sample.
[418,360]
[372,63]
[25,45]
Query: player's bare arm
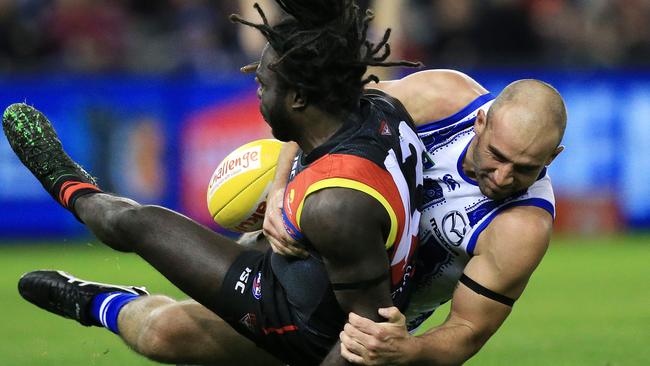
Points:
[507,253]
[432,95]
[349,229]
[280,240]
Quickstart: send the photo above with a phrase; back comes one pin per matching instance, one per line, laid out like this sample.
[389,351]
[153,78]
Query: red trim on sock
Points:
[63,188]
[69,188]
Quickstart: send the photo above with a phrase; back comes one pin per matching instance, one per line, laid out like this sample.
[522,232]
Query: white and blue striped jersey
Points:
[455,212]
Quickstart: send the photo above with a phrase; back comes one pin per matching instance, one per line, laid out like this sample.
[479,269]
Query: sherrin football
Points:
[238,187]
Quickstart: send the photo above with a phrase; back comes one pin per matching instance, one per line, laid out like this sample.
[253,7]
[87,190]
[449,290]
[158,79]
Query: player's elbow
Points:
[476,340]
[470,339]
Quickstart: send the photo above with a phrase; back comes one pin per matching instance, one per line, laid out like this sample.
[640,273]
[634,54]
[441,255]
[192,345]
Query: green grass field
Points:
[588,304]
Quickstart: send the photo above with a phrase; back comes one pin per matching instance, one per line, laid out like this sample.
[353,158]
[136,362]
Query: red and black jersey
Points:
[377,152]
[286,305]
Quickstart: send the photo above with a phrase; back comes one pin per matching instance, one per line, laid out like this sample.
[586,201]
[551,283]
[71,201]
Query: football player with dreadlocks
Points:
[352,201]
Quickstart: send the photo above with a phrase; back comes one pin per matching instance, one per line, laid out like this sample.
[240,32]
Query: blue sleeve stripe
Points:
[293,232]
[537,202]
[474,105]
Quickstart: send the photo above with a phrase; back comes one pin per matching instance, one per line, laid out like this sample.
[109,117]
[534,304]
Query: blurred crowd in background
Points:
[83,61]
[196,36]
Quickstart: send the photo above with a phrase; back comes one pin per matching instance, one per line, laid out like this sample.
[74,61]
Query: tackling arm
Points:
[281,242]
[507,253]
[348,228]
[283,168]
[431,95]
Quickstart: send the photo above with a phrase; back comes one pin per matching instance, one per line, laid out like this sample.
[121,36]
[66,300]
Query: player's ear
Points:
[299,100]
[480,123]
[557,152]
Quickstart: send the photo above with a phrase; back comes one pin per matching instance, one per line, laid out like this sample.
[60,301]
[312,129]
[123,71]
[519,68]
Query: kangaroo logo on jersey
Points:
[432,193]
[454,227]
[433,258]
[450,182]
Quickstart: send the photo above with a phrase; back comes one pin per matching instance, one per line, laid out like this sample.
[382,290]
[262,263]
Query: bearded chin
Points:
[281,135]
[281,127]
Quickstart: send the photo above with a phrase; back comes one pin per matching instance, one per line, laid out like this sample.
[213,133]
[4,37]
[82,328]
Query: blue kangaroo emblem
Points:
[450,182]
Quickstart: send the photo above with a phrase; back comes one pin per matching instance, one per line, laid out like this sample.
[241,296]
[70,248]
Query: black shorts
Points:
[286,306]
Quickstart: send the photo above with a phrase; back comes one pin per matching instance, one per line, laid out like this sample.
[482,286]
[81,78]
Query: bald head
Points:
[534,107]
[520,135]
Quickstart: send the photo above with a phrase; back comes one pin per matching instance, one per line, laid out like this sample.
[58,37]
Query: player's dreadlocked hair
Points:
[323,49]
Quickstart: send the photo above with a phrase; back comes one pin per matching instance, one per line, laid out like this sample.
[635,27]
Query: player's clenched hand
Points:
[365,342]
[273,228]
